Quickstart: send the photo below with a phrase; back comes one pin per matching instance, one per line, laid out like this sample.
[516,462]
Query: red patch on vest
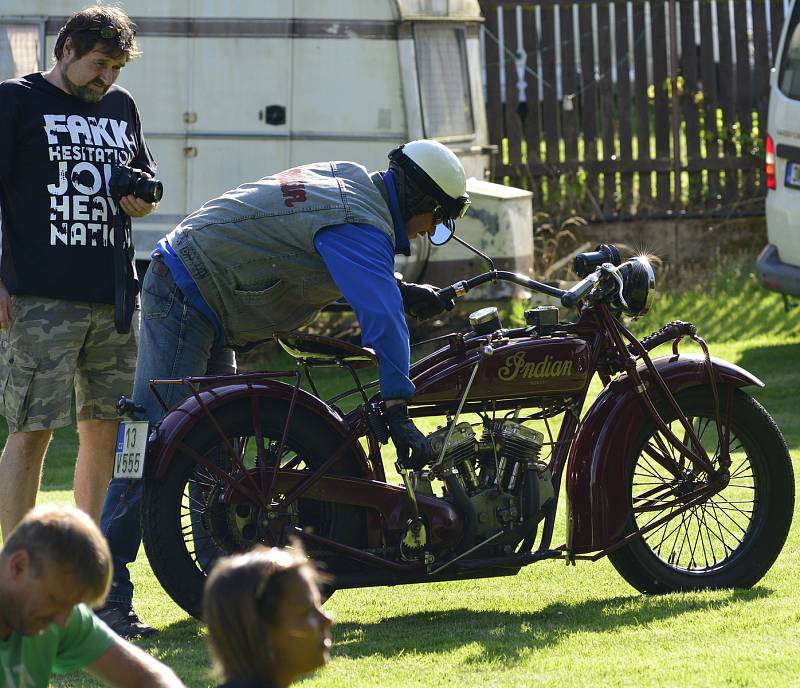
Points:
[292,187]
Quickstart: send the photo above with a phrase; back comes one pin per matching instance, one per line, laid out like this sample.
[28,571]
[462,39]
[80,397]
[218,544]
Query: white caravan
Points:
[234,91]
[778,266]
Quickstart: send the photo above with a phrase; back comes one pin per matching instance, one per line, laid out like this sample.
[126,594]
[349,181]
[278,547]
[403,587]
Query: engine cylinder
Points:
[460,446]
[517,441]
[516,445]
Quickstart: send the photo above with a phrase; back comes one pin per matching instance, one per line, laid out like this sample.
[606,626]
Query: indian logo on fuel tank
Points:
[517,366]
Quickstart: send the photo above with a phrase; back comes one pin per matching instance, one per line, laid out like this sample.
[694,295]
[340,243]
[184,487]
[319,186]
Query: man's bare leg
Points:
[20,475]
[94,465]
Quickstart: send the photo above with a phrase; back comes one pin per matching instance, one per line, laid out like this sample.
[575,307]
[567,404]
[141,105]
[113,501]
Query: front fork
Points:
[693,448]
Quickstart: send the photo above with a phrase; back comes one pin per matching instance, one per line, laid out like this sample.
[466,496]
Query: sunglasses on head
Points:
[108,32]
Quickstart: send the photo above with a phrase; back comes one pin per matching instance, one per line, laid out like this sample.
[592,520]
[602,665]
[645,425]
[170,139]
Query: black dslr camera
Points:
[125,181]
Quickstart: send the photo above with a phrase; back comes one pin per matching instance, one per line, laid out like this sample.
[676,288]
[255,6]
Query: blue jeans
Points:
[175,340]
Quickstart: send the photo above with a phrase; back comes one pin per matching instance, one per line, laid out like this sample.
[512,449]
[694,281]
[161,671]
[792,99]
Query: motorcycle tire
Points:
[184,534]
[733,538]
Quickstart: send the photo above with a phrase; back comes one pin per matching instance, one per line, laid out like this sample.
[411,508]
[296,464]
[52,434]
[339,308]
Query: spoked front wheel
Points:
[733,537]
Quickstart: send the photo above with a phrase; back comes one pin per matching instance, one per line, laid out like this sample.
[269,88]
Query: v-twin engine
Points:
[497,478]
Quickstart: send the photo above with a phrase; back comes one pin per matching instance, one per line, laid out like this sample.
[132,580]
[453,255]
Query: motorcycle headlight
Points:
[639,286]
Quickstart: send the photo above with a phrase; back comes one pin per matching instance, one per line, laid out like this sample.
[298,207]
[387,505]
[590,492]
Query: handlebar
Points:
[458,289]
[629,285]
[568,298]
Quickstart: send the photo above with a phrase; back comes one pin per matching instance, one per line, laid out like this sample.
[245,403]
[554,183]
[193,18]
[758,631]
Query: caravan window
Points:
[443,81]
[789,78]
[20,49]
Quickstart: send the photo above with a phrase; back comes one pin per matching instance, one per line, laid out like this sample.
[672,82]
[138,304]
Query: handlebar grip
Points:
[672,330]
[454,291]
[578,291]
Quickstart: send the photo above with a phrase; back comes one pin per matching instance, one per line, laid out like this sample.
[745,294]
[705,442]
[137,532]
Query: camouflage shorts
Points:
[55,346]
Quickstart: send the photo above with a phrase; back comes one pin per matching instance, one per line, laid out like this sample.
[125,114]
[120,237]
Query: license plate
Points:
[131,445]
[793,175]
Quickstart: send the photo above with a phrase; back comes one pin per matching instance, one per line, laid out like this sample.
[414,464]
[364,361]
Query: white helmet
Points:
[437,172]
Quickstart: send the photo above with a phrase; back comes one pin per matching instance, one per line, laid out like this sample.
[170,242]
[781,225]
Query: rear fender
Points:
[174,427]
[597,467]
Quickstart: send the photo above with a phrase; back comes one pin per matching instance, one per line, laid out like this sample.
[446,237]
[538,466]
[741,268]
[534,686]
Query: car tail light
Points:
[770,162]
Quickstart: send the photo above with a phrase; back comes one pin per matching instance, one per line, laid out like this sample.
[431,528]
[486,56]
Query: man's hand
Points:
[422,300]
[413,448]
[5,307]
[124,665]
[136,207]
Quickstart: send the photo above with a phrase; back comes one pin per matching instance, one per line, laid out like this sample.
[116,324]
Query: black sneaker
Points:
[124,622]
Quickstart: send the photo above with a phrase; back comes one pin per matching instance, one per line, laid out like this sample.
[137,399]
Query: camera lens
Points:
[150,190]
[126,181]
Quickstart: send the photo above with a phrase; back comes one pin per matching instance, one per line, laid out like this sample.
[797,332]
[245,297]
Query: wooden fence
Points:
[589,102]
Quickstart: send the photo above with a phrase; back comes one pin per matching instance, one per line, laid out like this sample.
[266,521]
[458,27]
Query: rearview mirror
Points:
[442,235]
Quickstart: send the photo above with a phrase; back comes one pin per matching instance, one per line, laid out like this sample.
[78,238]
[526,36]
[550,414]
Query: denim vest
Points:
[251,251]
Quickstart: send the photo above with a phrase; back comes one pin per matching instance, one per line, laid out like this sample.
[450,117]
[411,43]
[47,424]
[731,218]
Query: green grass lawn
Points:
[552,623]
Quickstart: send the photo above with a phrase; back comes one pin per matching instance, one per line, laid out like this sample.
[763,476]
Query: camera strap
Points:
[126,286]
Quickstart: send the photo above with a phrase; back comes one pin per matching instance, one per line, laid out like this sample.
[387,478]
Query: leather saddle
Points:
[316,350]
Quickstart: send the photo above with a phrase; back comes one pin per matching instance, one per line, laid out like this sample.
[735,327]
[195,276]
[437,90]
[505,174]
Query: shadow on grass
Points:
[184,629]
[779,368]
[180,644]
[508,635]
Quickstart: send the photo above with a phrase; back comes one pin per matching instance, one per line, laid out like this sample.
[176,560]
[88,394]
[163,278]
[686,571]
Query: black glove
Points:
[407,438]
[421,300]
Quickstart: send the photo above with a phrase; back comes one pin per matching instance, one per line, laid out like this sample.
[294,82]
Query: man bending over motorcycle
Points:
[265,258]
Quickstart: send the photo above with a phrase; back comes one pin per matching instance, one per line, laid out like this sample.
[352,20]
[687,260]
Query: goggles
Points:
[455,209]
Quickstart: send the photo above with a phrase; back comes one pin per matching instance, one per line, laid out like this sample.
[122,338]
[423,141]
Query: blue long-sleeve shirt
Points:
[360,259]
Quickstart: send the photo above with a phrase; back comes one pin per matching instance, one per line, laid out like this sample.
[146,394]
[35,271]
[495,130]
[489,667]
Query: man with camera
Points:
[64,135]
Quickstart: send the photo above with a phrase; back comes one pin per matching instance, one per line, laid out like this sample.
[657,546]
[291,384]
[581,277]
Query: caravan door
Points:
[239,91]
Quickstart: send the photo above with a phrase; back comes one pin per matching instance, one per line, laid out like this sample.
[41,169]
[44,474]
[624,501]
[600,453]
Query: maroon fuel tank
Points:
[517,369]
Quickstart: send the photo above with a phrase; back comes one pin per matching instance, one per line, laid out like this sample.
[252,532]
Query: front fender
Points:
[174,427]
[597,467]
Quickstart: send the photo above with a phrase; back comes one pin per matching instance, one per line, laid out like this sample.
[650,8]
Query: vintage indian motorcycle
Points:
[675,473]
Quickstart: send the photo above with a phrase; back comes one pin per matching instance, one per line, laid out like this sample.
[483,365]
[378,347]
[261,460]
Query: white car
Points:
[778,266]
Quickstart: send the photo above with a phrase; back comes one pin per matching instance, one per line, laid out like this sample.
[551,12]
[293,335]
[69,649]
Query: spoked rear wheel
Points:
[732,538]
[191,516]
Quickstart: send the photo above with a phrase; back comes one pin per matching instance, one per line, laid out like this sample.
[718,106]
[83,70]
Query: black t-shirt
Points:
[56,156]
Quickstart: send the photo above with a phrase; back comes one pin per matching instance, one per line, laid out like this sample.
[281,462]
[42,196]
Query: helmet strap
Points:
[413,201]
